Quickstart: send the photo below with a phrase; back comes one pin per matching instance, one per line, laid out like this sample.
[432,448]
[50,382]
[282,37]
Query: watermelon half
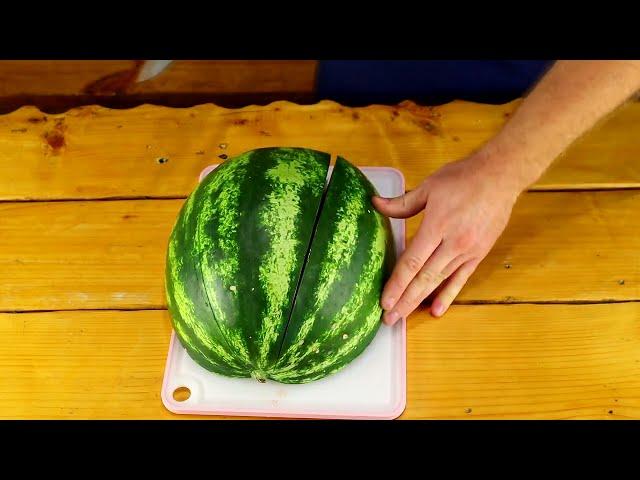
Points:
[273,274]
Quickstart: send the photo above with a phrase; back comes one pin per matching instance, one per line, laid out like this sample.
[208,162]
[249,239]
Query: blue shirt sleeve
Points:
[361,82]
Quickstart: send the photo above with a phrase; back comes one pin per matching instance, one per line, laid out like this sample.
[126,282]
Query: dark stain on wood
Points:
[128,216]
[240,121]
[55,139]
[355,116]
[434,112]
[506,114]
[37,119]
[223,156]
[432,128]
[456,138]
[200,152]
[265,133]
[115,83]
[18,130]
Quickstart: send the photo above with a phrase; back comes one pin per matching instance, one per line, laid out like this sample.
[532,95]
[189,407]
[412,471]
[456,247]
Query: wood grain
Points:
[481,361]
[233,76]
[93,152]
[72,77]
[565,246]
[525,361]
[78,255]
[559,360]
[55,77]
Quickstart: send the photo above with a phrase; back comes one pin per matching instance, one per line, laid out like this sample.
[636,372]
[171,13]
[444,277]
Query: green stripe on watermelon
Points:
[246,240]
[337,311]
[213,231]
[190,313]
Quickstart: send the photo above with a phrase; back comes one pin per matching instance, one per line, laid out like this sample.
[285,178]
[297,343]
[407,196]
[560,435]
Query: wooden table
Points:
[548,327]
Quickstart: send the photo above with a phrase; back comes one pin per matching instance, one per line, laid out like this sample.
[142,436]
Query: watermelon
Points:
[273,274]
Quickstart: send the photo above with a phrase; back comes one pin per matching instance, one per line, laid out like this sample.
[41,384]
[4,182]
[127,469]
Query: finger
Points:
[448,271]
[432,274]
[452,288]
[409,263]
[404,206]
[432,296]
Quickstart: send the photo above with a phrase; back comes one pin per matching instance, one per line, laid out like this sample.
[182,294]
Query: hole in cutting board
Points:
[181,394]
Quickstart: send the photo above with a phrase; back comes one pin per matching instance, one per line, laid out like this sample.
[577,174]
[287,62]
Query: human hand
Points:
[466,205]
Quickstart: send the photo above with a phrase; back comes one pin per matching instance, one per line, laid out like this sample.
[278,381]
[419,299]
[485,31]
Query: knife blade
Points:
[151,69]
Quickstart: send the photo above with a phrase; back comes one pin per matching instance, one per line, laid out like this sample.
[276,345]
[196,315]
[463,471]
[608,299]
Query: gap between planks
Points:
[541,189]
[461,302]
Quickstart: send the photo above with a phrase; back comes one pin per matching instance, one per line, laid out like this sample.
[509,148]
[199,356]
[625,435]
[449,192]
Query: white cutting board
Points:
[373,386]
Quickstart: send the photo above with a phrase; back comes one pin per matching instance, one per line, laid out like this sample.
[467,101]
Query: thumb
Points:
[404,206]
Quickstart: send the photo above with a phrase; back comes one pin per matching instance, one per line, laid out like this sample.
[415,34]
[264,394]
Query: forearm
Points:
[568,101]
[468,203]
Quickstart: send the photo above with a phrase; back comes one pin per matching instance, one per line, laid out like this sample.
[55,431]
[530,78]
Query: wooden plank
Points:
[563,247]
[526,361]
[559,247]
[489,361]
[233,76]
[76,77]
[93,152]
[55,77]
[101,365]
[57,85]
[78,255]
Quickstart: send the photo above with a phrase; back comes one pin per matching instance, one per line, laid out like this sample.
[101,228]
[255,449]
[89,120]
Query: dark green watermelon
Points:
[270,275]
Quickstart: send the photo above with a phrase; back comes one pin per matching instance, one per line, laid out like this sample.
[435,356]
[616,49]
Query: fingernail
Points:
[391,317]
[437,308]
[388,303]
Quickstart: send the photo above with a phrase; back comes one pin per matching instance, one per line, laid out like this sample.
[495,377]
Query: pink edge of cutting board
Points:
[171,405]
